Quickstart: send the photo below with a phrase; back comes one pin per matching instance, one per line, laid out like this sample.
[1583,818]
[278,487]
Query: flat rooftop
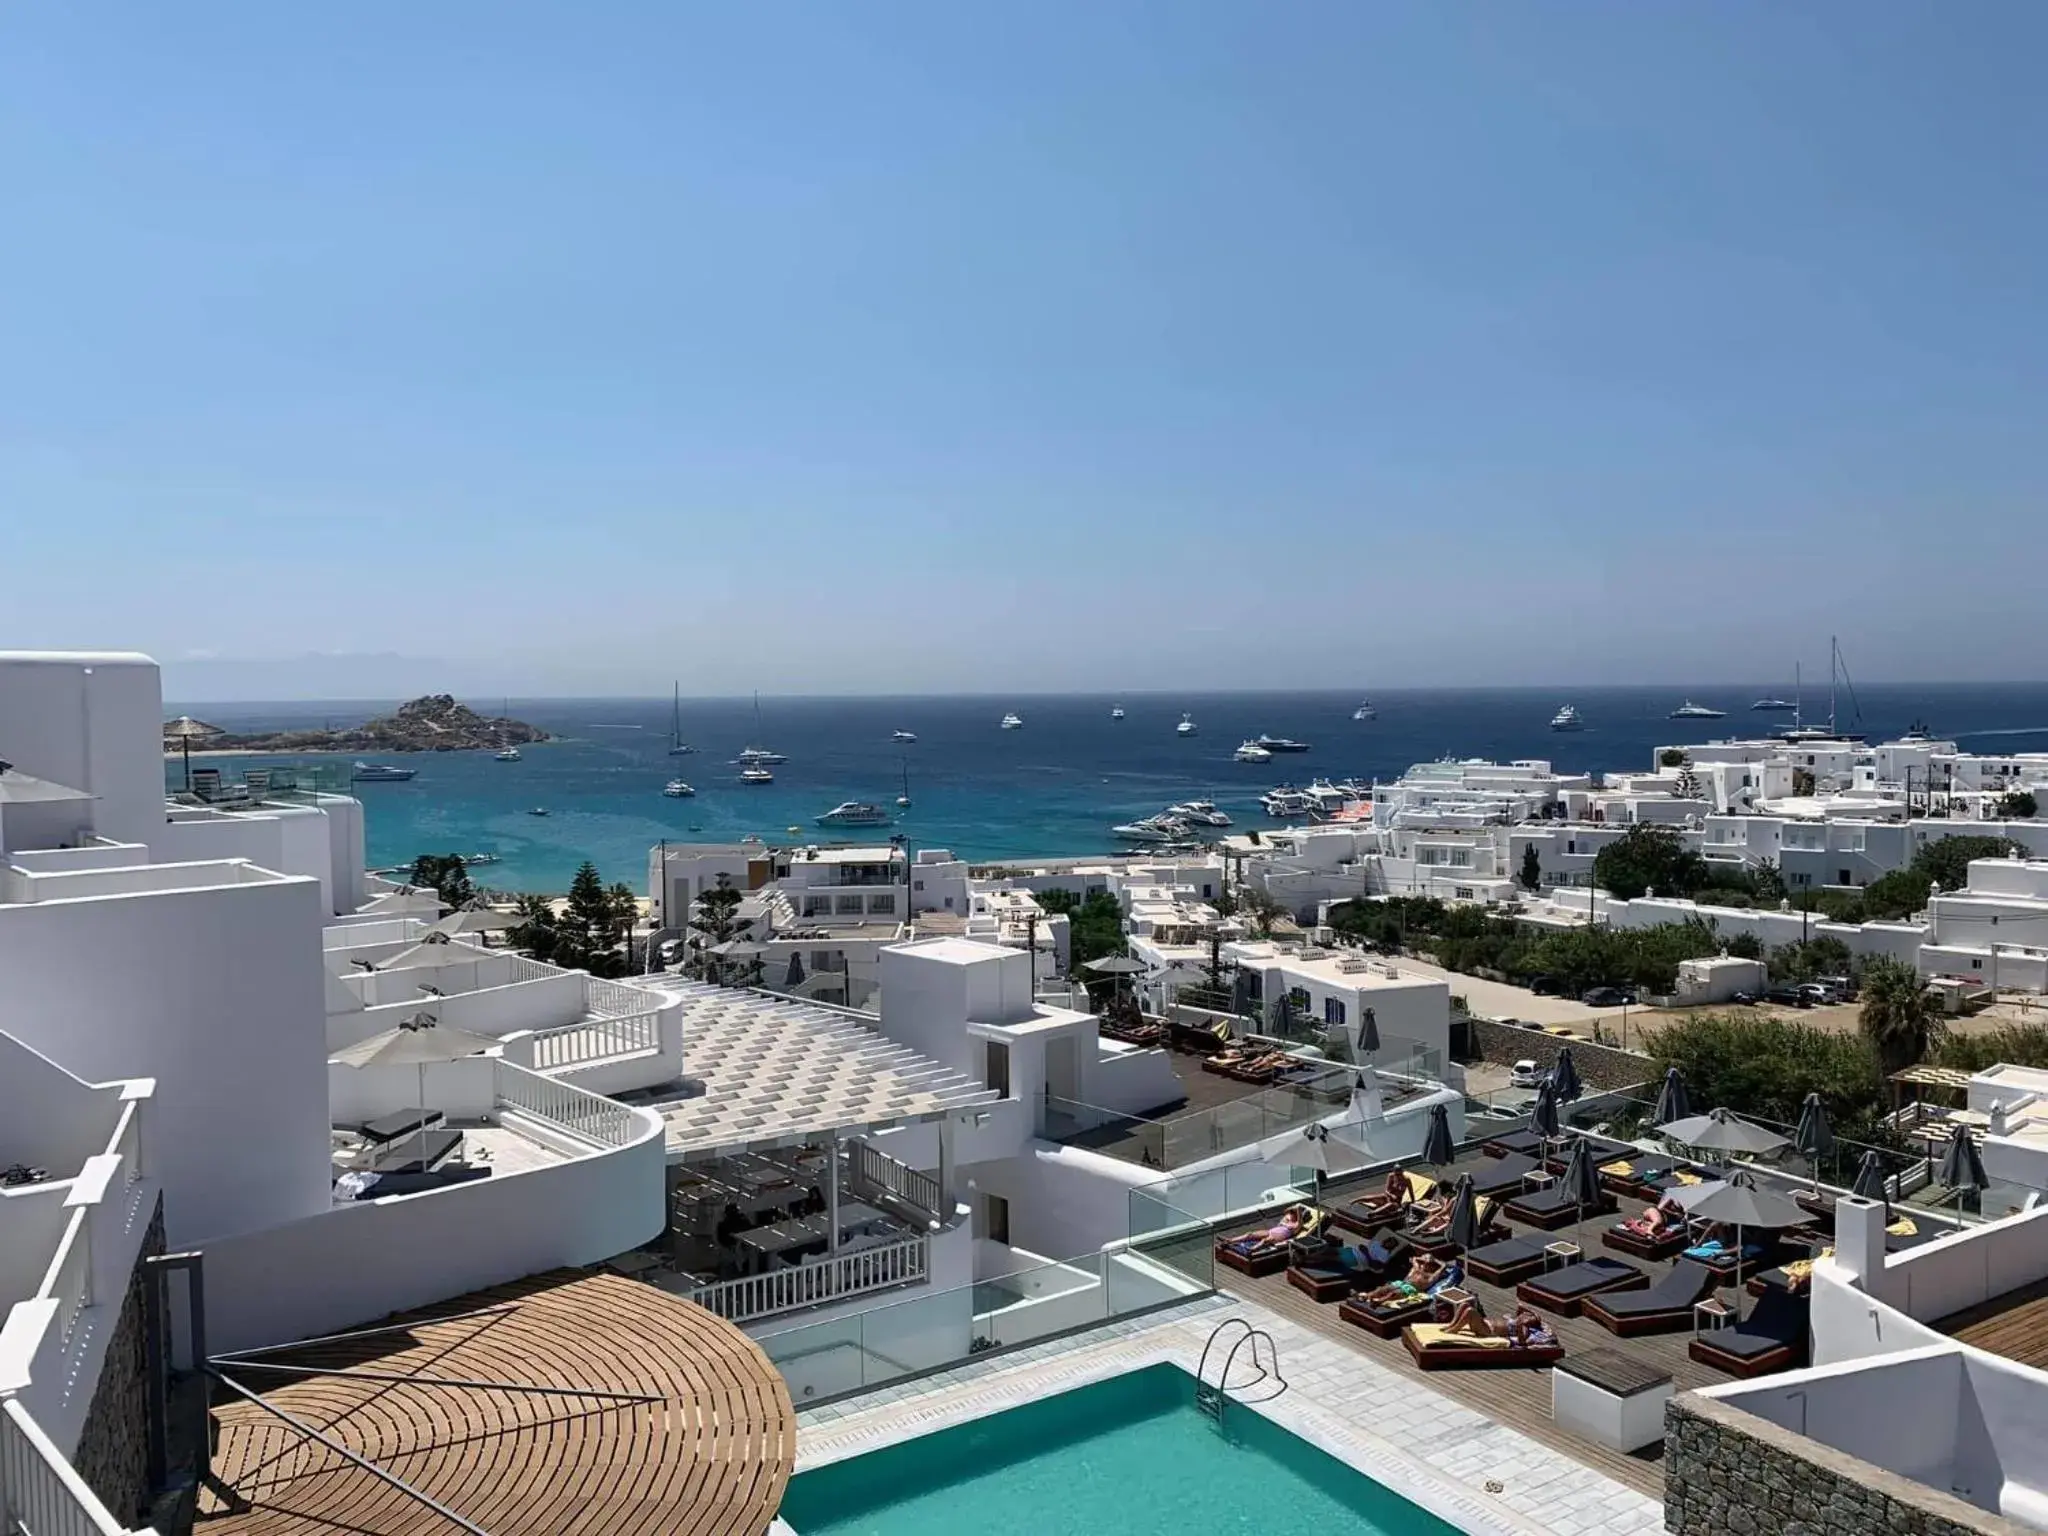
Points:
[1337,967]
[563,1402]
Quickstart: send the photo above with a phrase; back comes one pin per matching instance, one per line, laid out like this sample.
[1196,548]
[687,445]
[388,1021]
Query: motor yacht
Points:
[1013,722]
[1281,743]
[1186,727]
[506,755]
[1201,812]
[1153,829]
[676,789]
[381,773]
[754,773]
[1286,801]
[1252,752]
[854,813]
[1116,712]
[903,735]
[1567,719]
[538,810]
[1691,711]
[1325,796]
[1366,711]
[1776,704]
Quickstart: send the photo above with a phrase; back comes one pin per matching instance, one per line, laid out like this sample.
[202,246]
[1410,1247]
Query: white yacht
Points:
[1366,711]
[1775,704]
[1116,712]
[854,813]
[506,755]
[677,747]
[1186,727]
[1252,752]
[1152,829]
[676,789]
[903,800]
[1567,719]
[1286,801]
[1281,743]
[754,773]
[381,773]
[1325,796]
[1691,711]
[1201,812]
[1013,722]
[903,736]
[755,757]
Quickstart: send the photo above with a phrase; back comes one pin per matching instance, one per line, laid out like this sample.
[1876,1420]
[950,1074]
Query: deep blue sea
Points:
[1053,788]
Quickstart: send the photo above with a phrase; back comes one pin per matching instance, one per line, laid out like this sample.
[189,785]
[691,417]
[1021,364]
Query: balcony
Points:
[904,1261]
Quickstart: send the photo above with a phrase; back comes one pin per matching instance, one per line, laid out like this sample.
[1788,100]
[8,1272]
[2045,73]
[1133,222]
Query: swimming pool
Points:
[1130,1456]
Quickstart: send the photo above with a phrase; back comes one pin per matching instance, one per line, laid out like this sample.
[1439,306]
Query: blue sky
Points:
[890,347]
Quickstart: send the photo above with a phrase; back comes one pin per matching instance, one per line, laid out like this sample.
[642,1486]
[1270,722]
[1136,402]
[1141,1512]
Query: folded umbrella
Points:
[1673,1102]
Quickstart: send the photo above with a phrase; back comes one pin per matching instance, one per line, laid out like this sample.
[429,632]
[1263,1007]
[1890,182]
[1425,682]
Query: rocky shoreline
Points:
[433,723]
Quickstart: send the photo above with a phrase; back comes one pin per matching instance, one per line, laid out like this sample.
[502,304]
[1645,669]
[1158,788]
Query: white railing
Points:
[128,1142]
[590,1115]
[885,1173]
[68,1281]
[526,968]
[40,1494]
[612,1000]
[599,1040]
[906,1262]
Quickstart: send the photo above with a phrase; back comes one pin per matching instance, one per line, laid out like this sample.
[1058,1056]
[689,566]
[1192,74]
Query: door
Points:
[997,1070]
[1062,1076]
[996,1219]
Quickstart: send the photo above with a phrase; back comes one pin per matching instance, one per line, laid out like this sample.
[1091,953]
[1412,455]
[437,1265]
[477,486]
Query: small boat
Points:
[1201,812]
[1366,711]
[854,813]
[1567,719]
[1153,829]
[676,789]
[508,755]
[1186,727]
[1252,752]
[677,747]
[903,736]
[1281,743]
[538,810]
[471,861]
[1691,711]
[380,773]
[758,756]
[1116,712]
[754,773]
[1775,704]
[1012,722]
[903,800]
[1286,801]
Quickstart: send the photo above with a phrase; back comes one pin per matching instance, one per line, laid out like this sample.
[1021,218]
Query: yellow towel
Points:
[1686,1178]
[1420,1185]
[1430,1335]
[1620,1170]
[1903,1227]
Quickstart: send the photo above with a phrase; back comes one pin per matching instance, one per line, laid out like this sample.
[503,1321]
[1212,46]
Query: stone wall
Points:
[113,1447]
[1601,1066]
[1726,1471]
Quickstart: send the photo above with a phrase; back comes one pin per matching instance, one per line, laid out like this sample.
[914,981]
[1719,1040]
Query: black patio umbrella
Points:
[1438,1150]
[1368,1034]
[1241,994]
[1543,1115]
[1871,1183]
[1581,1180]
[1962,1170]
[795,978]
[1564,1075]
[1813,1136]
[1464,1227]
[1673,1102]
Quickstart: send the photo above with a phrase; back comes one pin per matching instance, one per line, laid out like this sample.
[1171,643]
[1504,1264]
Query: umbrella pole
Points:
[186,743]
[1739,1286]
[423,1117]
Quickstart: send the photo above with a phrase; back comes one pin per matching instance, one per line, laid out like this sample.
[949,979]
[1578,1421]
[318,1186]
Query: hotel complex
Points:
[324,1206]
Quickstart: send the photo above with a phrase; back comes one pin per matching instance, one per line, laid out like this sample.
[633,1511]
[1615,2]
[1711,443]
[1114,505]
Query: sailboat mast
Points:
[1798,696]
[1834,655]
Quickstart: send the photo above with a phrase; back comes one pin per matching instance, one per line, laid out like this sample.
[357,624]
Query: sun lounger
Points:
[1266,1258]
[1436,1350]
[1669,1246]
[1371,1213]
[1637,1173]
[1503,1175]
[1664,1307]
[1385,1321]
[1549,1209]
[1773,1338]
[1443,1245]
[1563,1290]
[1505,1262]
[1329,1279]
[1513,1144]
[406,1156]
[398,1125]
[1759,1251]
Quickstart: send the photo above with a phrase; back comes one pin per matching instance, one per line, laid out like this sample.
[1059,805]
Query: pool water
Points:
[1130,1456]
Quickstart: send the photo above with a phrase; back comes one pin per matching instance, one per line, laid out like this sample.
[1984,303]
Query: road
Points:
[1500,1000]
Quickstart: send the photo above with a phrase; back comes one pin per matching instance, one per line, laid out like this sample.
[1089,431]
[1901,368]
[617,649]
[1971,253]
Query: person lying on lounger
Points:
[1286,1230]
[1521,1329]
[1422,1274]
[1664,1219]
[1400,1193]
[1719,1243]
[1370,1256]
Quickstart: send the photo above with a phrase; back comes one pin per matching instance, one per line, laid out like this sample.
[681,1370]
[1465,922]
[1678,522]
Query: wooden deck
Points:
[1519,1399]
[652,1418]
[2014,1325]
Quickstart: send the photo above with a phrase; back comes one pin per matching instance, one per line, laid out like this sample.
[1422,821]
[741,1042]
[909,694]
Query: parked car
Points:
[1788,997]
[1745,999]
[1608,997]
[1819,994]
[1546,986]
[1525,1074]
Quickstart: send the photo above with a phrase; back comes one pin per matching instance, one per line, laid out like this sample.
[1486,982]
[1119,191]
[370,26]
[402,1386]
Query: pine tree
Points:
[713,921]
[1532,867]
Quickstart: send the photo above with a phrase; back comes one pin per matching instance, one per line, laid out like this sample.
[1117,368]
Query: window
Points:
[882,904]
[1571,845]
[817,906]
[1254,985]
[1208,890]
[1297,999]
[1844,877]
[1976,965]
[850,904]
[1462,892]
[949,903]
[1333,1010]
[917,885]
[1461,858]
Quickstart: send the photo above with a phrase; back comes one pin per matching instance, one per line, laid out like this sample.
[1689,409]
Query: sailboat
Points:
[903,800]
[677,747]
[1838,674]
[757,757]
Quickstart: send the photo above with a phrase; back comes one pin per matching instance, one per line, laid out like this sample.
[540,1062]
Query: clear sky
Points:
[889,347]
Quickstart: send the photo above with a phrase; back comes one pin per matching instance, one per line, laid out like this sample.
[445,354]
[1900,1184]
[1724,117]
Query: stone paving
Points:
[1392,1426]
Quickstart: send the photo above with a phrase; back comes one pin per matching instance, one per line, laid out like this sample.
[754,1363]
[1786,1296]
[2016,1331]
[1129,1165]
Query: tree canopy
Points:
[1095,926]
[1901,1018]
[448,874]
[1757,1064]
[2019,804]
[1649,857]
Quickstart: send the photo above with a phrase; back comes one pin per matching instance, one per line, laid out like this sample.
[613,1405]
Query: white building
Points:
[1995,930]
[1339,988]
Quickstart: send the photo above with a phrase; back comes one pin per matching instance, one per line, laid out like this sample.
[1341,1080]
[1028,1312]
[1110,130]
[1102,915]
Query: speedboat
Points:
[676,789]
[1691,711]
[1365,711]
[754,773]
[1186,726]
[1012,722]
[1252,752]
[381,773]
[1286,801]
[1117,712]
[1281,743]
[854,813]
[1775,704]
[753,755]
[508,755]
[903,735]
[1201,812]
[1152,829]
[1567,719]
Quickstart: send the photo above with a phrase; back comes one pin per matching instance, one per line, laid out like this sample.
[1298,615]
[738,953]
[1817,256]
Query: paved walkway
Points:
[1390,1425]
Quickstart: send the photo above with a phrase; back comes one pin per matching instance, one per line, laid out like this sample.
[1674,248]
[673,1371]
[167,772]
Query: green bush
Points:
[1760,1065]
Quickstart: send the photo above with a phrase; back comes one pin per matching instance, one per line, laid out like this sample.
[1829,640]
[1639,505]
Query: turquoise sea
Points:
[1053,788]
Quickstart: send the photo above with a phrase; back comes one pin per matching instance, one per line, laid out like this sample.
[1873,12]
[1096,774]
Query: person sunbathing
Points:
[1374,1254]
[1522,1328]
[1422,1274]
[1664,1219]
[1288,1228]
[1400,1193]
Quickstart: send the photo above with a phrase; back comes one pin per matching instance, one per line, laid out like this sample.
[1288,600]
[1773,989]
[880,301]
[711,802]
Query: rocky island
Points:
[435,723]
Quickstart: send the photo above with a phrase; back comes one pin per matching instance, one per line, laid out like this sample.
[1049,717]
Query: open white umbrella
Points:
[1317,1147]
[474,919]
[1736,1201]
[420,1042]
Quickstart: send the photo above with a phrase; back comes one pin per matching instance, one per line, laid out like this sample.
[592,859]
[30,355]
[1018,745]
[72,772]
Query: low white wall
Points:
[1848,1324]
[1973,1266]
[1130,1080]
[357,1263]
[461,1090]
[51,861]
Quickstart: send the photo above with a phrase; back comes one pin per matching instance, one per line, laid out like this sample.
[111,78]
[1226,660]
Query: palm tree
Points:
[1901,1017]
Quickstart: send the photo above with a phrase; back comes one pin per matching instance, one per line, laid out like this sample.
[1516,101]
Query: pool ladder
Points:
[1210,1396]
